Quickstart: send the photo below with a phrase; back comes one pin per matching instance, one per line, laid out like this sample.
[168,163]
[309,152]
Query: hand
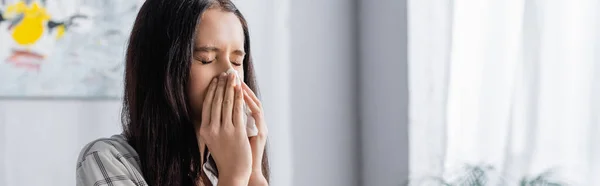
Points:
[224,132]
[257,142]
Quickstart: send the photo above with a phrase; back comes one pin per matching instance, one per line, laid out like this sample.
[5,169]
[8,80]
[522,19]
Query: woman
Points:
[182,115]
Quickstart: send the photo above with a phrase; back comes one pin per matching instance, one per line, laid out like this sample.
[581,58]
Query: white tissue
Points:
[251,129]
[210,172]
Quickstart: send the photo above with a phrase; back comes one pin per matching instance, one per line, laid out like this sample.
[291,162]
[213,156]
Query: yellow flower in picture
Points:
[30,29]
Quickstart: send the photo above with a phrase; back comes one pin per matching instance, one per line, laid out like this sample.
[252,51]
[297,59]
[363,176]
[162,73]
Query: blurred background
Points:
[355,92]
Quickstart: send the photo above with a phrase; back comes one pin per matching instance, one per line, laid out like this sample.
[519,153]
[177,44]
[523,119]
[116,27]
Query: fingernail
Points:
[223,76]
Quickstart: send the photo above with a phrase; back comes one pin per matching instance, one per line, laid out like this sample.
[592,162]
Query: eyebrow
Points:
[215,49]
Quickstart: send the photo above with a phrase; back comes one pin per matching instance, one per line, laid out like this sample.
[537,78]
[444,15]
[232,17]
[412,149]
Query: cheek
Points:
[199,87]
[199,82]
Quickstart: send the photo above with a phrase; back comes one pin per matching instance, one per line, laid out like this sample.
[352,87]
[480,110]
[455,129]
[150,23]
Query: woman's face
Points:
[219,45]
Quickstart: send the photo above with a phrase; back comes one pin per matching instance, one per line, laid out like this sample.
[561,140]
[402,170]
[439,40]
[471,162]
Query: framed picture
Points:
[64,48]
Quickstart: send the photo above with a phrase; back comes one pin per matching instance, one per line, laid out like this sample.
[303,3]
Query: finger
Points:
[207,104]
[257,115]
[238,110]
[254,108]
[250,93]
[218,101]
[228,101]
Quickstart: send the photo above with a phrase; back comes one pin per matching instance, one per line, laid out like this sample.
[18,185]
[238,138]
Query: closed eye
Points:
[206,61]
[236,63]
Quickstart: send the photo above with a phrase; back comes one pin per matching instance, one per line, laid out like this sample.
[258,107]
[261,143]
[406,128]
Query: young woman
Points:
[183,117]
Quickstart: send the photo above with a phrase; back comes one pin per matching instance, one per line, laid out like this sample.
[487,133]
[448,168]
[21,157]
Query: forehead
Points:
[218,27]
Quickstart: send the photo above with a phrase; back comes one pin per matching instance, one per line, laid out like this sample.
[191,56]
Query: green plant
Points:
[543,179]
[481,175]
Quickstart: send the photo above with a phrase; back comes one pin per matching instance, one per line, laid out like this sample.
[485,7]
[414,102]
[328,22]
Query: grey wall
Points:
[384,92]
[324,93]
[349,92]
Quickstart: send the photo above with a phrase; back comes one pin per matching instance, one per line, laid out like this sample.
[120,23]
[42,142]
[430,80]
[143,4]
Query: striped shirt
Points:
[113,162]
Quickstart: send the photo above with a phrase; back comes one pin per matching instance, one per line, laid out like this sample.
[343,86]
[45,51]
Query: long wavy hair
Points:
[156,115]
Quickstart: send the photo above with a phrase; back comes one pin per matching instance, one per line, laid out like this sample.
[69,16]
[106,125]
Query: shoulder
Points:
[108,160]
[113,147]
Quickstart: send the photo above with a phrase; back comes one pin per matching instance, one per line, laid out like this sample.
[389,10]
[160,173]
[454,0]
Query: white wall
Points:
[43,137]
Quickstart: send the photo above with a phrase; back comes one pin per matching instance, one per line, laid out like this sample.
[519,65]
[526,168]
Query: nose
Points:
[224,64]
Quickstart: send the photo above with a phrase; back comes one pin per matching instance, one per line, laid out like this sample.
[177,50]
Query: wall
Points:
[324,99]
[384,92]
[45,136]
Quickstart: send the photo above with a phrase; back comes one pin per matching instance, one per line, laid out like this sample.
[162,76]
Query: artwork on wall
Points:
[64,48]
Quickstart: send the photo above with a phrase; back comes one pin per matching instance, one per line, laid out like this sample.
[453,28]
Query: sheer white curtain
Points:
[509,83]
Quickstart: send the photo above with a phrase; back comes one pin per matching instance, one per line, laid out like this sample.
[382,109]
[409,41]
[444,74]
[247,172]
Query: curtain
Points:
[511,85]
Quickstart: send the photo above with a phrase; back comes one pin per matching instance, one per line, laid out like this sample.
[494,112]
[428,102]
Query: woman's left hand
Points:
[257,143]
